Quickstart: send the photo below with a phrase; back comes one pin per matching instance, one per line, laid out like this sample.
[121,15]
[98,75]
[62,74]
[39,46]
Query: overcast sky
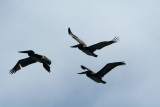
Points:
[41,25]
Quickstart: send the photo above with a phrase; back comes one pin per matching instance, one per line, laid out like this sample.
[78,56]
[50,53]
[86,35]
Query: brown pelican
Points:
[97,77]
[89,50]
[30,60]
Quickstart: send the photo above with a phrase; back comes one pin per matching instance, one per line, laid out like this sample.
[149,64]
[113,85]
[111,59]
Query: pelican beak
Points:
[23,51]
[28,51]
[82,72]
[75,46]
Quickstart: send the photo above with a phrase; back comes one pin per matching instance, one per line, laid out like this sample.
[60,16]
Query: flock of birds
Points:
[89,50]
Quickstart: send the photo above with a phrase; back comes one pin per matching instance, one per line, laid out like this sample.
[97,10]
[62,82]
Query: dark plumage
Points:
[30,60]
[97,77]
[89,50]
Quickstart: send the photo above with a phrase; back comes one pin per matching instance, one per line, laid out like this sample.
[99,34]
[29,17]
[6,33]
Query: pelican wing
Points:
[108,67]
[100,45]
[76,38]
[46,66]
[23,63]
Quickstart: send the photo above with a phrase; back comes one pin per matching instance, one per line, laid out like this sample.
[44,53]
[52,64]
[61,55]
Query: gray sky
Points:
[41,25]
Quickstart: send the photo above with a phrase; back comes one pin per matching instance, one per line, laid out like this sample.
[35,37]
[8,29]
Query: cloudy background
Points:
[41,25]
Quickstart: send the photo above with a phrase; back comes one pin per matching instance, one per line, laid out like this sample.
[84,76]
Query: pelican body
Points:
[89,50]
[97,77]
[33,58]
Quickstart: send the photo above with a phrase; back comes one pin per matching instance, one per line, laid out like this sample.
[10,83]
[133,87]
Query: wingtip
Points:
[12,71]
[116,39]
[95,56]
[104,82]
[82,67]
[69,30]
[123,63]
[48,70]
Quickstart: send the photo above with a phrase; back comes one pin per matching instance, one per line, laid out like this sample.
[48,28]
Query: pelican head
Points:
[29,52]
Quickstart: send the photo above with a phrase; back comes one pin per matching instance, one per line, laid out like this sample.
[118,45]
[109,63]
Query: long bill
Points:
[82,72]
[25,51]
[75,46]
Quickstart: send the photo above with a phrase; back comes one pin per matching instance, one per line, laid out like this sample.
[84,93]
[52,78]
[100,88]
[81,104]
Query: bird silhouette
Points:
[97,77]
[33,58]
[89,50]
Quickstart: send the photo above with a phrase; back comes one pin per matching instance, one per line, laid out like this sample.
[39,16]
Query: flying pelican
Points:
[30,60]
[97,77]
[89,50]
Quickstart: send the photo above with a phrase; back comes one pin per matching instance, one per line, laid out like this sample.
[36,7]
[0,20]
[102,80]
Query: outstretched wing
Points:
[46,66]
[100,45]
[108,67]
[76,38]
[23,63]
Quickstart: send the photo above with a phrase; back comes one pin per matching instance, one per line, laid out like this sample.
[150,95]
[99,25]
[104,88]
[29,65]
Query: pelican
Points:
[97,77]
[89,50]
[30,60]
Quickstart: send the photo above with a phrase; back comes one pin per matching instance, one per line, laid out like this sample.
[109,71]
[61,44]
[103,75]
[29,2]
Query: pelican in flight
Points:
[89,50]
[97,77]
[30,60]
